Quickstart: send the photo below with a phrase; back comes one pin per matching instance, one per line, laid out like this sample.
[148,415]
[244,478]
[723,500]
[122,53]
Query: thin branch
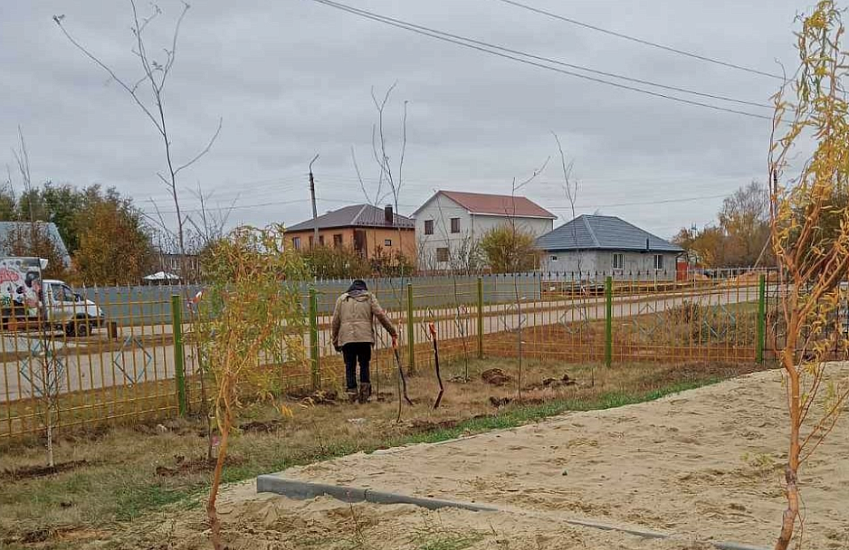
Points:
[172,55]
[159,220]
[111,73]
[536,172]
[205,149]
[359,176]
[397,191]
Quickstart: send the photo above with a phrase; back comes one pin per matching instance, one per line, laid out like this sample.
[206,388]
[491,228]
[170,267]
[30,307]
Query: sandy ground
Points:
[704,465]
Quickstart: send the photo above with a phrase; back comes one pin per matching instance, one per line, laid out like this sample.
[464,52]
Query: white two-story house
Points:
[450,223]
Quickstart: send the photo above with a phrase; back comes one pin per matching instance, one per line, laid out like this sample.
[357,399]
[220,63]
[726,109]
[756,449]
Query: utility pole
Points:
[314,209]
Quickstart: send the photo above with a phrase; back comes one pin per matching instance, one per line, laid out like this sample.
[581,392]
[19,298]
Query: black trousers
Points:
[352,353]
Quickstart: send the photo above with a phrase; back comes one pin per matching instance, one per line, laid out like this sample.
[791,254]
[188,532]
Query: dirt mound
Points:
[495,377]
[553,383]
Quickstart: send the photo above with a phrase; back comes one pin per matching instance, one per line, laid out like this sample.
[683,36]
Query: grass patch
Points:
[137,500]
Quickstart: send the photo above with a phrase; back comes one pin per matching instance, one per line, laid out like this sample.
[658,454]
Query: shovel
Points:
[436,364]
[402,380]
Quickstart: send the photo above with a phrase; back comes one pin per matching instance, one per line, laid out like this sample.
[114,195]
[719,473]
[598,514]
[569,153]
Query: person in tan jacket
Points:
[352,331]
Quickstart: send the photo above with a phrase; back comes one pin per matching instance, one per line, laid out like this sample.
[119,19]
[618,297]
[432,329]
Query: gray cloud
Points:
[293,78]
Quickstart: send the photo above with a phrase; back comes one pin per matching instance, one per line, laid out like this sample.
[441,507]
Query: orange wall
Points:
[375,238]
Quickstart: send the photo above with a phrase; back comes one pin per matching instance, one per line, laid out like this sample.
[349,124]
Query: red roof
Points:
[498,205]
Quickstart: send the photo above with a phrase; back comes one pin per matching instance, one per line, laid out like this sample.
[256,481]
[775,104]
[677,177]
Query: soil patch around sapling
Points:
[33,472]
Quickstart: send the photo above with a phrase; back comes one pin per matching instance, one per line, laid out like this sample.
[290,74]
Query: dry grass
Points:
[127,472]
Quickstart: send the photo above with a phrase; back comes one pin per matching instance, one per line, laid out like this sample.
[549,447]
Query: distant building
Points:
[367,229]
[19,231]
[610,245]
[173,264]
[450,223]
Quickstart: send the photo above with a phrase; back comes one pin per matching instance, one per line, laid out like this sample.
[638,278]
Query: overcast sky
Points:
[293,78]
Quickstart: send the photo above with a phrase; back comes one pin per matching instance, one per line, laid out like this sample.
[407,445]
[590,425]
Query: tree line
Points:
[105,234]
[740,238]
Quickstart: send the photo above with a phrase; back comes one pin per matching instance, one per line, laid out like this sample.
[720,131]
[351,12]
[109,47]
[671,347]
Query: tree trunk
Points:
[791,470]
[788,519]
[211,511]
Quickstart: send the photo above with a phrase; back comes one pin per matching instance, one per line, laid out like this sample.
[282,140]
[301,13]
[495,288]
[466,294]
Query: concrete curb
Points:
[303,490]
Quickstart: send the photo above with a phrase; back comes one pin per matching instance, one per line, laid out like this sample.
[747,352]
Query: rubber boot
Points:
[353,395]
[365,392]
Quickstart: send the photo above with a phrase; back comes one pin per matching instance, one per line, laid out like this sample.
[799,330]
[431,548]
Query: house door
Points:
[360,242]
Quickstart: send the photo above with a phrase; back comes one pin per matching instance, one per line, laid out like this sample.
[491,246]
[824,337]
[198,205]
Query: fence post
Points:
[480,317]
[411,331]
[761,343]
[179,356]
[608,321]
[314,365]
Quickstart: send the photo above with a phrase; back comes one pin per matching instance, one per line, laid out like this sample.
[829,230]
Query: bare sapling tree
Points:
[147,91]
[209,222]
[517,295]
[809,226]
[251,322]
[570,189]
[36,241]
[390,179]
[461,255]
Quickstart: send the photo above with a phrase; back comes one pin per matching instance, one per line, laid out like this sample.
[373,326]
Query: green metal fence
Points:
[144,363]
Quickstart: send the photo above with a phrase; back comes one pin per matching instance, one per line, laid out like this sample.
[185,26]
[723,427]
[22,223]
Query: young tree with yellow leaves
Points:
[251,322]
[809,227]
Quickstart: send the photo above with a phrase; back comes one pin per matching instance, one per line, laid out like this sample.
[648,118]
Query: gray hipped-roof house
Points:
[9,230]
[610,245]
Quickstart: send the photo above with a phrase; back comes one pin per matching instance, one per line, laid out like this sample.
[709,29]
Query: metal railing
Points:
[142,363]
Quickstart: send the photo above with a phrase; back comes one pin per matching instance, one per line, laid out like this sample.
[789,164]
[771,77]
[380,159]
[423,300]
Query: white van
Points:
[27,299]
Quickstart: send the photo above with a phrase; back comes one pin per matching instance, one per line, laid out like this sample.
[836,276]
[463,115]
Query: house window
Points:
[337,240]
[296,243]
[321,240]
[428,227]
[312,242]
[554,258]
[387,242]
[618,260]
[658,261]
[442,255]
[455,225]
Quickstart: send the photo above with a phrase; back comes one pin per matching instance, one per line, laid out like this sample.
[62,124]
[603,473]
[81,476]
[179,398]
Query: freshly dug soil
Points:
[496,377]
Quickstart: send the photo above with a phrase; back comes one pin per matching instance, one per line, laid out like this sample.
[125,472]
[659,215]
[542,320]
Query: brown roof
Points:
[498,205]
[358,215]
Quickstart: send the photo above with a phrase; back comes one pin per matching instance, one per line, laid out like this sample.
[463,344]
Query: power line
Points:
[234,207]
[643,203]
[643,42]
[471,44]
[228,188]
[584,68]
[349,202]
